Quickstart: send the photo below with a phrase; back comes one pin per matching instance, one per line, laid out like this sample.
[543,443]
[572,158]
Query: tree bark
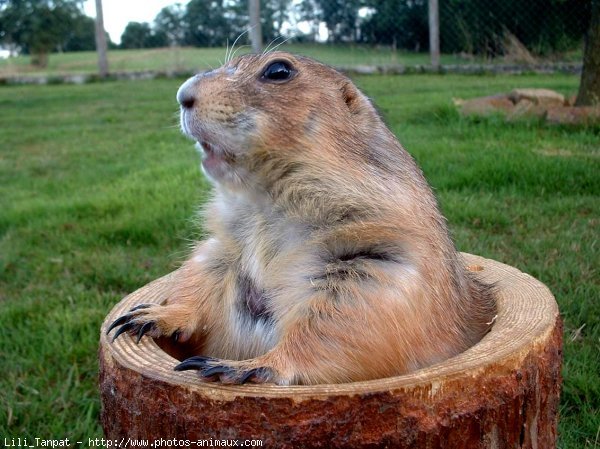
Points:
[589,88]
[255,27]
[501,393]
[101,46]
[39,58]
[434,33]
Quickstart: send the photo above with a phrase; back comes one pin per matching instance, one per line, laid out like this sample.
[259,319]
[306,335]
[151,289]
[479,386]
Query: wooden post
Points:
[434,33]
[501,393]
[589,87]
[255,28]
[101,47]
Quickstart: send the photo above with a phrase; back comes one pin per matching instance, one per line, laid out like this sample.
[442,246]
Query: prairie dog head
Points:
[261,116]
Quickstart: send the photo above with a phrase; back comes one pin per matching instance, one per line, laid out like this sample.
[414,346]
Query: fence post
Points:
[101,46]
[255,30]
[434,33]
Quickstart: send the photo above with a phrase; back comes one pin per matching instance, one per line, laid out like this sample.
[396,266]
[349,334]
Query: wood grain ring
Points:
[501,393]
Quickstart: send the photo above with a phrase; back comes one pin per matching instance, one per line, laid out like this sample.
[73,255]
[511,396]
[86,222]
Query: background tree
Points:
[273,15]
[280,14]
[254,22]
[399,23]
[38,27]
[172,21]
[212,23]
[589,88]
[81,36]
[12,18]
[309,11]
[543,26]
[101,41]
[136,35]
[341,18]
[141,35]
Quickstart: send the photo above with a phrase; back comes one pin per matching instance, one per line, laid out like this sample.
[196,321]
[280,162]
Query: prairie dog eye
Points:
[278,72]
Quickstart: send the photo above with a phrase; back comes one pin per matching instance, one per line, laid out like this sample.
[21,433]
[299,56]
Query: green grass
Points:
[190,59]
[193,59]
[98,194]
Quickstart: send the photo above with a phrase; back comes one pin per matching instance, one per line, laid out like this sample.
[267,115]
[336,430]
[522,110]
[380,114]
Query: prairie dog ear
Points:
[351,97]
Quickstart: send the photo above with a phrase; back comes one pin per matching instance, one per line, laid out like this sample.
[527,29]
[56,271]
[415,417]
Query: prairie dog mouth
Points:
[205,148]
[216,162]
[209,150]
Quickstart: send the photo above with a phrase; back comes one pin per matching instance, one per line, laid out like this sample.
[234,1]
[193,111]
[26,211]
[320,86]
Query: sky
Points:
[118,13]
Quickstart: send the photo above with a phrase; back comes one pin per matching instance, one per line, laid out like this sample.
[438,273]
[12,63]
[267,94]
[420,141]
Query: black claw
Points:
[256,373]
[140,306]
[127,324]
[198,362]
[118,322]
[145,328]
[209,369]
[219,369]
[176,336]
[122,329]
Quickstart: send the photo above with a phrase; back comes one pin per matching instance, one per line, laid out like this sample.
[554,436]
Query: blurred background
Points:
[42,35]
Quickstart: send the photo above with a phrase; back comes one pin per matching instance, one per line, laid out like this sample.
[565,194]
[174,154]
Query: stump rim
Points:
[526,313]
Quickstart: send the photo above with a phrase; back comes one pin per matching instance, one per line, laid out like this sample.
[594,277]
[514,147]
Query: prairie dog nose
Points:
[186,95]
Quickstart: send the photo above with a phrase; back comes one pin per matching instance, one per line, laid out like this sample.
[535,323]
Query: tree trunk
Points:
[501,393]
[101,47]
[39,58]
[589,88]
[255,28]
[434,33]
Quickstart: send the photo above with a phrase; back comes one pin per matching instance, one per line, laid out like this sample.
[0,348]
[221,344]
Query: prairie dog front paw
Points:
[227,371]
[156,321]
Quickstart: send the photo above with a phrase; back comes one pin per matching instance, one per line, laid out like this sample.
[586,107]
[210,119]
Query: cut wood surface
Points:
[501,393]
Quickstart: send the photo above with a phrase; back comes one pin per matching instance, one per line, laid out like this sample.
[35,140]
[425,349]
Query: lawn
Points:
[188,59]
[99,193]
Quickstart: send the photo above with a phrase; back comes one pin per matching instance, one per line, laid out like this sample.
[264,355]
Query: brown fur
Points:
[328,260]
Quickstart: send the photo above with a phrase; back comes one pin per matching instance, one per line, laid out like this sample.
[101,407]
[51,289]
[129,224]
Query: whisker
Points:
[237,49]
[176,125]
[271,43]
[235,42]
[226,50]
[279,44]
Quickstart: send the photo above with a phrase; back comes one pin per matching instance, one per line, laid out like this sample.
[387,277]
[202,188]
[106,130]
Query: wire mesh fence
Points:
[343,33]
[397,31]
[513,30]
[510,31]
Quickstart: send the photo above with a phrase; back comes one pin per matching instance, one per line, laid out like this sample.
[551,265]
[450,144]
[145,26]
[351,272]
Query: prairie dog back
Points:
[328,260]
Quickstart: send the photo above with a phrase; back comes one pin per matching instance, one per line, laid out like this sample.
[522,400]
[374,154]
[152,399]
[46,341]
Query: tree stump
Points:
[501,393]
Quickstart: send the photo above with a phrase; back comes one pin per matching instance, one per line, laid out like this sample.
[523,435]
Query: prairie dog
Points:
[327,259]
